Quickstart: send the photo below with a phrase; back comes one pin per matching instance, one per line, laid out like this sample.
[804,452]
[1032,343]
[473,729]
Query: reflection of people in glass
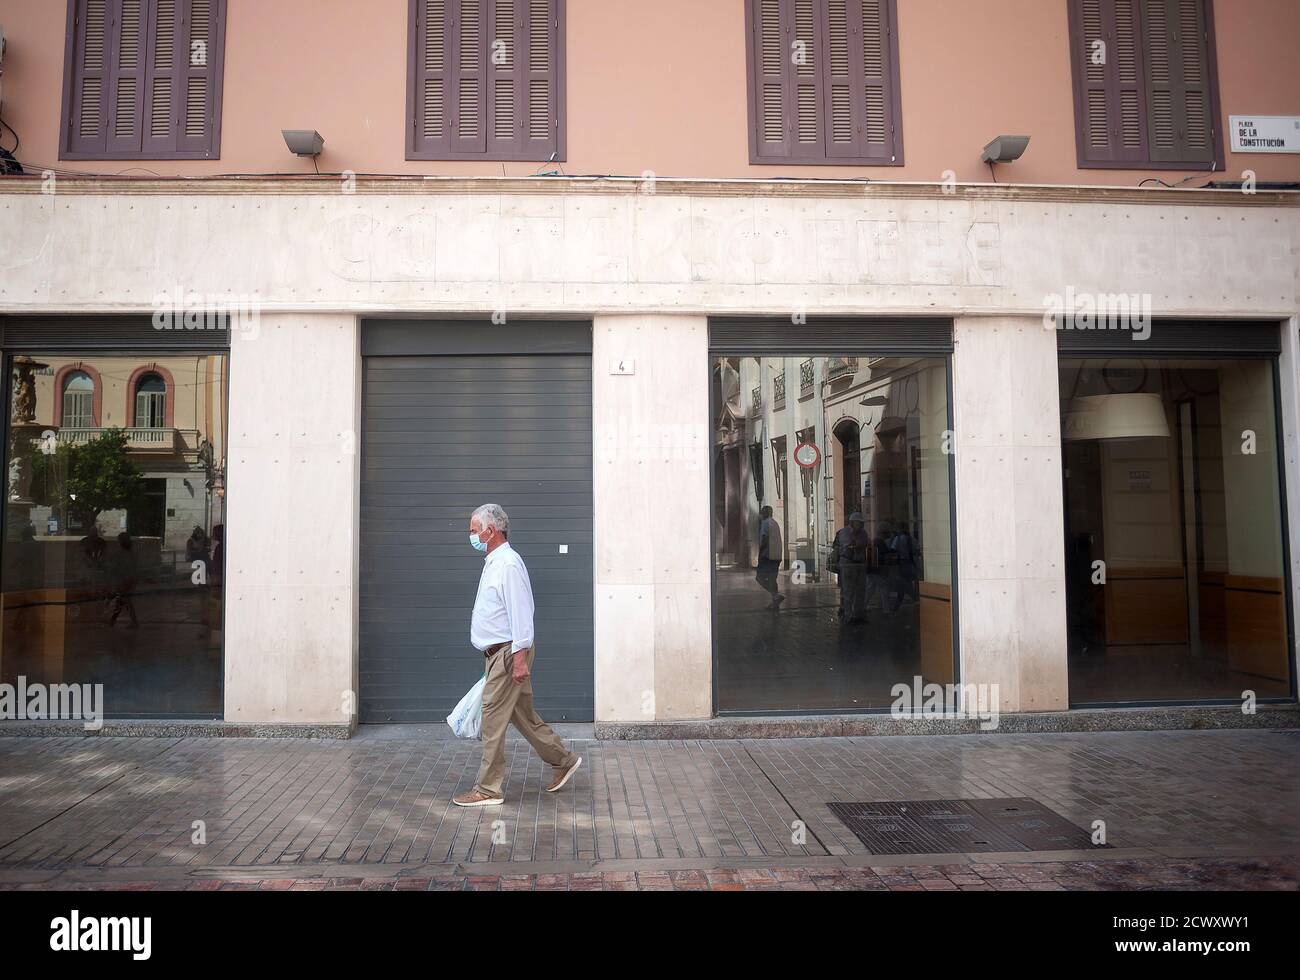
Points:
[196,546]
[850,557]
[218,554]
[92,552]
[769,555]
[880,566]
[196,550]
[903,570]
[121,576]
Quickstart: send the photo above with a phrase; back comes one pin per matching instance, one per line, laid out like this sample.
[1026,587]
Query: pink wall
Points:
[656,86]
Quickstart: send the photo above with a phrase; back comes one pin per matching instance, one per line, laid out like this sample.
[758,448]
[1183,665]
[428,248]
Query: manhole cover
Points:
[960,826]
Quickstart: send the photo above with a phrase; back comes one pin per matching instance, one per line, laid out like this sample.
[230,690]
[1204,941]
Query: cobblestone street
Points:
[1181,810]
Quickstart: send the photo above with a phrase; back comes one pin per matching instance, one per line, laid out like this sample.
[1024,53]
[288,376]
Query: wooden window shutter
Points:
[859,86]
[1143,83]
[823,81]
[485,79]
[1109,80]
[195,92]
[90,80]
[126,79]
[805,125]
[772,71]
[1180,121]
[468,76]
[540,78]
[161,121]
[145,79]
[432,60]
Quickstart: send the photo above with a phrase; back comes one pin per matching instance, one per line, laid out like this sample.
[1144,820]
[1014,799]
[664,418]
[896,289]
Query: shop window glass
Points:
[831,534]
[1174,549]
[112,570]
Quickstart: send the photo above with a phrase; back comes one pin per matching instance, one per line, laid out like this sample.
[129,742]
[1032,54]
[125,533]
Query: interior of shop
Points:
[1175,576]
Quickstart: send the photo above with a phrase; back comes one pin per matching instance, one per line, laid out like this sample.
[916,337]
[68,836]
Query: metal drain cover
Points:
[960,826]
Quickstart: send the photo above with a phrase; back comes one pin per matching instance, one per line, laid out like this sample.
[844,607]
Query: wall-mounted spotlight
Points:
[1004,149]
[303,142]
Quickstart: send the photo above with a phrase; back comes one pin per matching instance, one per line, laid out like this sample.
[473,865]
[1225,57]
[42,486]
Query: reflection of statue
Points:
[20,479]
[24,431]
[25,388]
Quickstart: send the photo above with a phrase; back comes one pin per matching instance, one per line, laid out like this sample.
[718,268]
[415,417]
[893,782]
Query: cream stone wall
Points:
[649,268]
[291,545]
[654,653]
[604,247]
[1010,523]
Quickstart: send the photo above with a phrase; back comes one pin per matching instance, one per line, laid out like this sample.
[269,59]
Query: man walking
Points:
[501,628]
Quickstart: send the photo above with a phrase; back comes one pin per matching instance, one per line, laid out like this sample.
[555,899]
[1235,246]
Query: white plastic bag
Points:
[466,719]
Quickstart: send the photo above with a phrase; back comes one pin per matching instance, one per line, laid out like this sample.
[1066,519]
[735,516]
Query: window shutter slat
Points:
[540,125]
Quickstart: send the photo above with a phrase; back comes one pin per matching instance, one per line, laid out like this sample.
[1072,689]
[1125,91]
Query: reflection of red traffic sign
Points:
[807,455]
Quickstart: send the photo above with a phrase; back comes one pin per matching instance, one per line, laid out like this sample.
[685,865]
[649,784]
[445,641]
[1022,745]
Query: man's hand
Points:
[519,668]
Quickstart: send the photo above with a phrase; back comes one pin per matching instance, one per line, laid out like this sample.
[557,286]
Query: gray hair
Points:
[491,515]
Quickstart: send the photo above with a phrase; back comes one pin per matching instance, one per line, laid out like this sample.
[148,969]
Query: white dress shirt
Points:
[503,608]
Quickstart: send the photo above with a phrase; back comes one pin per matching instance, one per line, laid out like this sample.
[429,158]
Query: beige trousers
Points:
[505,702]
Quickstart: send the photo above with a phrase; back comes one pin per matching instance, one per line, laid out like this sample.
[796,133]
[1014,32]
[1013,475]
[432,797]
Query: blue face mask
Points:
[477,544]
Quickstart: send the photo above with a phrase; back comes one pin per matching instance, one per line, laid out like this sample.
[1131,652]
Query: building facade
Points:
[794,391]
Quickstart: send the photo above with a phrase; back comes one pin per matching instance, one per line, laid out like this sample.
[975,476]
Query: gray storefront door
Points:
[491,420]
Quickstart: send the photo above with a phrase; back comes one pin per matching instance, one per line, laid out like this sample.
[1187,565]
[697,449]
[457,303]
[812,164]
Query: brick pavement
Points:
[1196,807]
[1162,874]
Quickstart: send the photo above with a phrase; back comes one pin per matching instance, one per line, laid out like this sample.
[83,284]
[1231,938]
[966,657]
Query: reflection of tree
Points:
[84,480]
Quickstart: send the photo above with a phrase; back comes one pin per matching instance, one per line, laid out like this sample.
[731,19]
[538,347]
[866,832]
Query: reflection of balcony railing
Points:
[139,439]
[778,391]
[806,377]
[756,400]
[840,367]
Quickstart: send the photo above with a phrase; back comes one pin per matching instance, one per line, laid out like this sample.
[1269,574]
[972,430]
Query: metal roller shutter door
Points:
[441,435]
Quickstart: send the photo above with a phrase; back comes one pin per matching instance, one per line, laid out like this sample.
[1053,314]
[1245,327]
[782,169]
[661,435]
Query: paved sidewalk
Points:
[1183,809]
[1151,874]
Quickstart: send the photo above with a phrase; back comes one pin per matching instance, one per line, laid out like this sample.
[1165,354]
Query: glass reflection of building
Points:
[115,526]
[879,426]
